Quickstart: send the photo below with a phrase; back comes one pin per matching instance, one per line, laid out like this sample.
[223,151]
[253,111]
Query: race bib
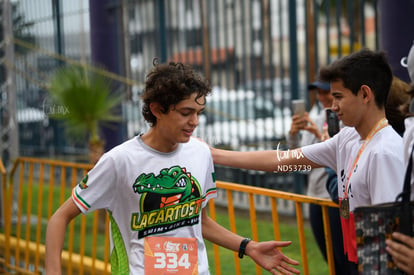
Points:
[169,255]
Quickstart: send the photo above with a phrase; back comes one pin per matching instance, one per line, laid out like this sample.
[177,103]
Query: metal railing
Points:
[37,187]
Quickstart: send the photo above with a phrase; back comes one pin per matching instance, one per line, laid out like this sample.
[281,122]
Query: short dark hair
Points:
[170,83]
[364,67]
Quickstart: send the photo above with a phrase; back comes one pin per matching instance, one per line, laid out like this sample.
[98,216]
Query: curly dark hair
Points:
[170,83]
[364,67]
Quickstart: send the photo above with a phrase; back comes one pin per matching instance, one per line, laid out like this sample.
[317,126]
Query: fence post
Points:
[9,133]
[106,23]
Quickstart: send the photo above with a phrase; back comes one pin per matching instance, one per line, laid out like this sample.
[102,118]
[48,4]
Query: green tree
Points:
[83,99]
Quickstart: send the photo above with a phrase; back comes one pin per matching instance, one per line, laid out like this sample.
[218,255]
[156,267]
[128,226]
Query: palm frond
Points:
[86,97]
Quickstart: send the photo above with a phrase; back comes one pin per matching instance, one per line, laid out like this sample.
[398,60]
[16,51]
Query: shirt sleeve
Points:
[96,189]
[210,190]
[323,153]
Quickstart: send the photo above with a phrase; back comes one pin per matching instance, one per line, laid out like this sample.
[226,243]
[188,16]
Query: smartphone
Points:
[298,107]
[333,122]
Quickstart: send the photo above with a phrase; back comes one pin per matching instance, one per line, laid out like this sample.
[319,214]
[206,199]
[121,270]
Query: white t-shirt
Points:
[377,178]
[149,193]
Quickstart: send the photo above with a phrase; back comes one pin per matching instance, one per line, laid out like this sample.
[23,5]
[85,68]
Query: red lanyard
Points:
[380,124]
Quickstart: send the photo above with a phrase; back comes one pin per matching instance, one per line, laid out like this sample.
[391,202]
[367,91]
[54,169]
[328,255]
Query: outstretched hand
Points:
[268,256]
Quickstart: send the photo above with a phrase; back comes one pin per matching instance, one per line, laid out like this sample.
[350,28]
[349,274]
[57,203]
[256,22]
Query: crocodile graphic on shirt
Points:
[167,201]
[172,186]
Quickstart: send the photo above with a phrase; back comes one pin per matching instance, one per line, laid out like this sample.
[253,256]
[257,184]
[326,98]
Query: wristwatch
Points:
[242,247]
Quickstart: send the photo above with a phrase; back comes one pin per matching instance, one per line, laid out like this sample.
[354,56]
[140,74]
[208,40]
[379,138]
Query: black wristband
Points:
[242,247]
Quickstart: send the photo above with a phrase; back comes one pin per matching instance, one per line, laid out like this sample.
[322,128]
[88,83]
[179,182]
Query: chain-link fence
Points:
[258,55]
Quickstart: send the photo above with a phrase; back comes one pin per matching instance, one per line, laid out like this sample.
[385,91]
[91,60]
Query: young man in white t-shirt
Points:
[309,129]
[367,154]
[155,188]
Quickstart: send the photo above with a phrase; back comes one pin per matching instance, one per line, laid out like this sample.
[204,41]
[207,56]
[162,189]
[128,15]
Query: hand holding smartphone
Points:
[298,107]
[333,122]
